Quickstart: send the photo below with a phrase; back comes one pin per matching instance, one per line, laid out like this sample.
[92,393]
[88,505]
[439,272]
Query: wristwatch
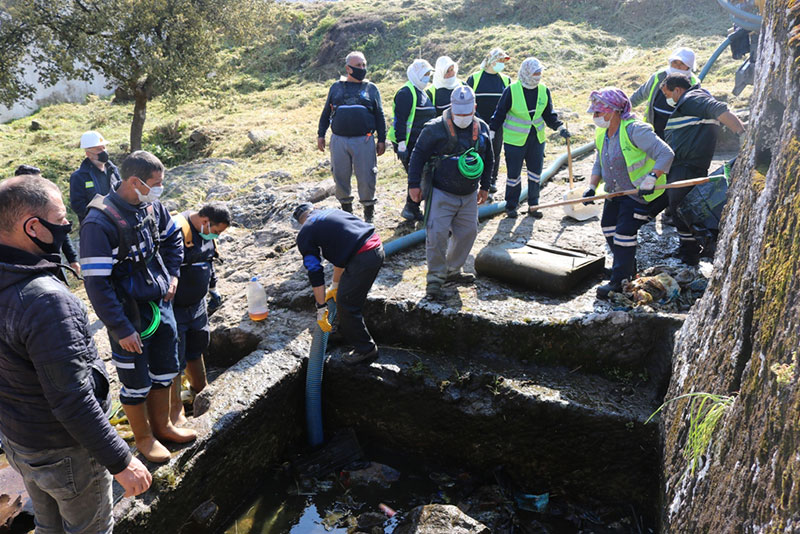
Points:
[323,305]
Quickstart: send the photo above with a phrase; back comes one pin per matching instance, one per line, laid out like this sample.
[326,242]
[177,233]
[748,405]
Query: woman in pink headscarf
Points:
[629,156]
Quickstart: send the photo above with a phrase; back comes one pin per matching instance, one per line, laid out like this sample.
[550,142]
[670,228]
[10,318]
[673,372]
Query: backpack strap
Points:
[105,205]
[186,229]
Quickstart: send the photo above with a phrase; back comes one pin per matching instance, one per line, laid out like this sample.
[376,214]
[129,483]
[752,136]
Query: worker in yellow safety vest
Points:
[629,156]
[657,111]
[411,109]
[524,109]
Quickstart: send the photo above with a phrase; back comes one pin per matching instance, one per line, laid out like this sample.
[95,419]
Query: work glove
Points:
[322,319]
[563,132]
[589,193]
[491,135]
[214,301]
[648,185]
[401,150]
[331,293]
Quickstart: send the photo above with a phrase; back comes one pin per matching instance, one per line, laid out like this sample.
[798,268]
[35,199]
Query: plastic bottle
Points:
[256,300]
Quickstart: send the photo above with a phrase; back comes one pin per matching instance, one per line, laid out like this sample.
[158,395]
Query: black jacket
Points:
[432,147]
[54,389]
[693,128]
[353,110]
[89,181]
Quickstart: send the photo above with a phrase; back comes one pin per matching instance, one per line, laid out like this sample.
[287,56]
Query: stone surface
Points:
[742,337]
[440,519]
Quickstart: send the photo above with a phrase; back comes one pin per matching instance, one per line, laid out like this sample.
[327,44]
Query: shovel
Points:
[673,185]
[577,211]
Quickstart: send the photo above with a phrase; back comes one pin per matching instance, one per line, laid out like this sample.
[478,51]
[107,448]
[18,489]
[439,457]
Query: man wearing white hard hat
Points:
[657,110]
[97,175]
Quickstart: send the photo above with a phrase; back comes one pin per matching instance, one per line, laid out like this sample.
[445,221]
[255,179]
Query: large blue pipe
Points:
[316,362]
[721,48]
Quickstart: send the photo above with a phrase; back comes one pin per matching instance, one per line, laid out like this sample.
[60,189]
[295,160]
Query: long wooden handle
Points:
[673,185]
[569,163]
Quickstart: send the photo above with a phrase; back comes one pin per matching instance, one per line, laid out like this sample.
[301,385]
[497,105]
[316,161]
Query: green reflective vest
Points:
[391,135]
[660,75]
[636,159]
[518,121]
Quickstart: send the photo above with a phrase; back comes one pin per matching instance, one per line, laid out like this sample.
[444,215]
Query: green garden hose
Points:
[150,330]
[470,164]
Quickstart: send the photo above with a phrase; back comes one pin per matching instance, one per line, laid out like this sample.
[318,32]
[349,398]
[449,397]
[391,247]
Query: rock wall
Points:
[743,336]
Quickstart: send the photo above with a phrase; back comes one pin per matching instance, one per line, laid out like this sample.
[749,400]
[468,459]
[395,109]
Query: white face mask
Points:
[600,122]
[499,66]
[671,102]
[462,121]
[152,196]
[672,70]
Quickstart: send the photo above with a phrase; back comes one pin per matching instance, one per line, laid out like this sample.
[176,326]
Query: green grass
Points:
[705,411]
[280,82]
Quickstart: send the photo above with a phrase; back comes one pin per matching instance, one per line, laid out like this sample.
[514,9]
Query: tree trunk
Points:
[141,94]
[743,335]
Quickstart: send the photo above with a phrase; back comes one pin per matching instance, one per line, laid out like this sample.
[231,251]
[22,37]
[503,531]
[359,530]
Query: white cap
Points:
[686,55]
[92,139]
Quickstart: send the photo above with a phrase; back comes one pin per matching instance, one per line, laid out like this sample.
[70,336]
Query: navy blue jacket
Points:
[549,116]
[353,110]
[331,234]
[197,269]
[89,181]
[54,389]
[432,143]
[692,129]
[107,279]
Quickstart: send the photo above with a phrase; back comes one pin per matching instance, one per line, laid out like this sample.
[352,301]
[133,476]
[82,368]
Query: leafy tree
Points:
[145,47]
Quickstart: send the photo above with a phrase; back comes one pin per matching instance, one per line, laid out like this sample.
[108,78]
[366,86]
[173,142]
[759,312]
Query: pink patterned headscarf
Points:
[610,99]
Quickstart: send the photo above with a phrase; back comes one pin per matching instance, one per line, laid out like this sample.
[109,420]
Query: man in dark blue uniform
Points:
[131,254]
[355,250]
[97,175]
[200,229]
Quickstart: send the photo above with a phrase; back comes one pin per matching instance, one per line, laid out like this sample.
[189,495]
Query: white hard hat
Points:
[92,139]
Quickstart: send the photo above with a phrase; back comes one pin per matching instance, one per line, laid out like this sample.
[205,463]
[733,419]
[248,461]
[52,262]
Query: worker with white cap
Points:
[445,79]
[457,150]
[522,113]
[488,83]
[97,175]
[657,110]
[411,109]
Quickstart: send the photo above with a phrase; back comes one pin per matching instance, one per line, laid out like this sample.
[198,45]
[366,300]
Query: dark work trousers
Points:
[497,146]
[193,332]
[405,161]
[356,281]
[621,220]
[673,198]
[532,153]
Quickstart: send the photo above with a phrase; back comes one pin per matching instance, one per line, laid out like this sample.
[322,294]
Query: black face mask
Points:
[102,157]
[59,231]
[357,73]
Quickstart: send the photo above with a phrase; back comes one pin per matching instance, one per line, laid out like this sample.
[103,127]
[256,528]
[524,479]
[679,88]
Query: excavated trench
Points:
[560,405]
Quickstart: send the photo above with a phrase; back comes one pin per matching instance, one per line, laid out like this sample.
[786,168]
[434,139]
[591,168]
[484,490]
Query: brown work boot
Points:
[146,443]
[163,429]
[196,372]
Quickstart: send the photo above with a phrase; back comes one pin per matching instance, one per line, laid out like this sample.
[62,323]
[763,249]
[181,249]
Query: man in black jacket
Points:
[54,390]
[458,150]
[97,175]
[691,131]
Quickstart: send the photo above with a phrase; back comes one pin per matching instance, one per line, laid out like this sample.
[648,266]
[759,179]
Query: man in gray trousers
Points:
[457,150]
[355,114]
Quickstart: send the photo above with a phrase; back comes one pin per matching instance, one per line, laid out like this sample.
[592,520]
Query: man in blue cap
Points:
[457,150]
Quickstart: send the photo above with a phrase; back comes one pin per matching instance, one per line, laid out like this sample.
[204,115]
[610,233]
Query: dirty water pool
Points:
[375,496]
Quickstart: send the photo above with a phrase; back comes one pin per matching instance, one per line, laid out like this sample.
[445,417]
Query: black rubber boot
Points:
[347,206]
[369,212]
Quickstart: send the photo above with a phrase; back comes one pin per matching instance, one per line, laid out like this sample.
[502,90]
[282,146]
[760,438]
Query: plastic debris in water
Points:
[386,510]
[531,502]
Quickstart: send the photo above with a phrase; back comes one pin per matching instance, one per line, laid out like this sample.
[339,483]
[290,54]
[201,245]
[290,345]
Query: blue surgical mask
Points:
[209,236]
[425,79]
[499,66]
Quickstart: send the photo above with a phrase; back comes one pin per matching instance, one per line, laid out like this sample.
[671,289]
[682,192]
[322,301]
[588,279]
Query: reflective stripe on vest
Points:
[660,75]
[431,94]
[476,79]
[391,135]
[89,183]
[518,121]
[638,163]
